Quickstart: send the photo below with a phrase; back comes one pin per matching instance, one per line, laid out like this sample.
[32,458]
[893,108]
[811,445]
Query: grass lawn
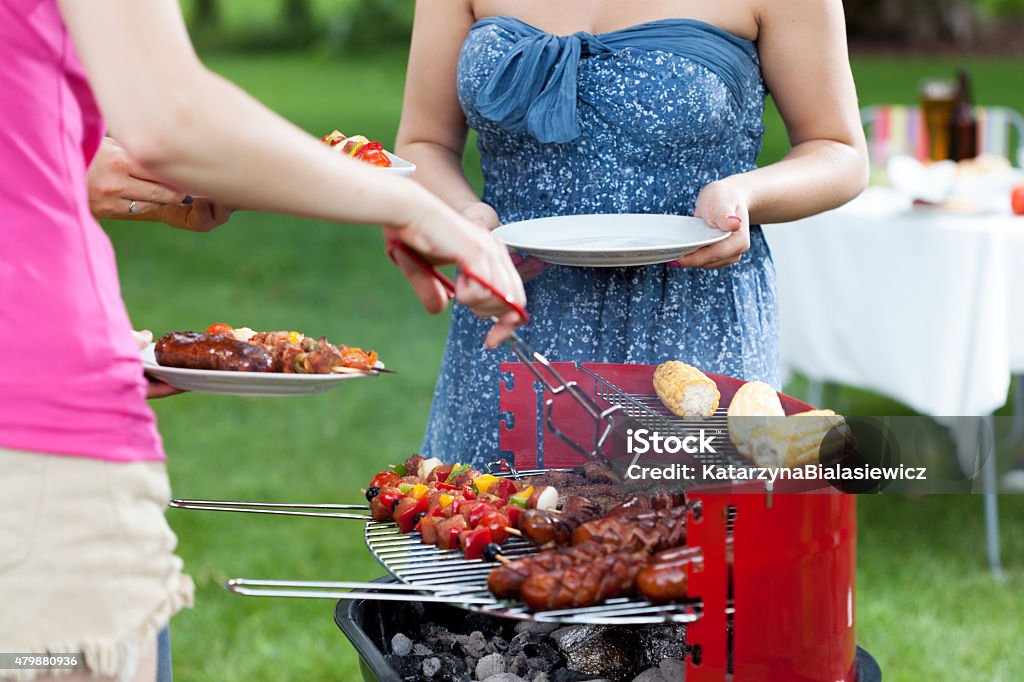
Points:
[927,607]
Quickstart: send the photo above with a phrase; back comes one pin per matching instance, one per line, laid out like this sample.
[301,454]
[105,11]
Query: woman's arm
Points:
[196,131]
[433,129]
[804,59]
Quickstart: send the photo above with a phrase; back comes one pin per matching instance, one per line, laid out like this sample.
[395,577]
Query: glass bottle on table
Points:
[937,101]
[963,126]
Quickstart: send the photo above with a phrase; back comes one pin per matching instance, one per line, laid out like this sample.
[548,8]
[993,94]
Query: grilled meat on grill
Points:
[584,584]
[666,578]
[544,527]
[548,528]
[659,577]
[507,579]
[650,531]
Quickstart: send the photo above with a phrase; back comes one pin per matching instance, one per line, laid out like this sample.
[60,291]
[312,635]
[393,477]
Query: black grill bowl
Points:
[370,625]
[352,617]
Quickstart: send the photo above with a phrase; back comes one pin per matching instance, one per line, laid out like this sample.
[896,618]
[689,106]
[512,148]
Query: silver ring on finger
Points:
[133,208]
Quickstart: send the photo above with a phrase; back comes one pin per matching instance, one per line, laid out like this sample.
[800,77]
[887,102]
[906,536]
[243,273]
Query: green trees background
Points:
[346,25]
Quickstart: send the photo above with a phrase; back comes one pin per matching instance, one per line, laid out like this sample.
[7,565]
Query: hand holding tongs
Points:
[449,287]
[602,417]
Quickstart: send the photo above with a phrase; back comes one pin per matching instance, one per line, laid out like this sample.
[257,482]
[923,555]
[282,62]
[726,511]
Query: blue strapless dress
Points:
[632,121]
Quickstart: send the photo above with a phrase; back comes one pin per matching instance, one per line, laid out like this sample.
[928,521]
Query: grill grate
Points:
[650,412]
[415,563]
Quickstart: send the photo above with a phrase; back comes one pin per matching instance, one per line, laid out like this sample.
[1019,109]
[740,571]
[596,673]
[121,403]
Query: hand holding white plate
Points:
[610,240]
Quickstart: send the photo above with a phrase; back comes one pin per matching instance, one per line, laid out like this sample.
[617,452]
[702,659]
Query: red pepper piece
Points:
[474,541]
[374,157]
[404,504]
[383,505]
[369,147]
[444,486]
[496,523]
[474,513]
[440,474]
[467,492]
[513,512]
[406,514]
[504,488]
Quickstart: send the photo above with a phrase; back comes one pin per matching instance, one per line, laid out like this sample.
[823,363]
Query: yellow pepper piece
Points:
[522,497]
[483,483]
[352,144]
[418,491]
[445,501]
[295,337]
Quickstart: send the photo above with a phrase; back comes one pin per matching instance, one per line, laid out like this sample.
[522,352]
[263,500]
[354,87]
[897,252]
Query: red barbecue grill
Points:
[780,566]
[772,597]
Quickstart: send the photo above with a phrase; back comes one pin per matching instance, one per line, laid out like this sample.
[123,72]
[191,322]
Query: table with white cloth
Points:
[919,304]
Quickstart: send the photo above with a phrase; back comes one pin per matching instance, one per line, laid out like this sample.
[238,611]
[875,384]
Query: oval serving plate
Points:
[267,384]
[609,240]
[399,166]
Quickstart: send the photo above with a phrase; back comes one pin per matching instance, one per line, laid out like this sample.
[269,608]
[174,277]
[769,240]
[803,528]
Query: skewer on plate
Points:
[354,370]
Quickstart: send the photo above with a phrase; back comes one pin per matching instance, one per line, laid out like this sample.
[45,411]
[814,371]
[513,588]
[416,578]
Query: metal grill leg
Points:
[986,445]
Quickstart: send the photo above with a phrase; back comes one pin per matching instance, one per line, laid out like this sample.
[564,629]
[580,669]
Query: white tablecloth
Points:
[924,306]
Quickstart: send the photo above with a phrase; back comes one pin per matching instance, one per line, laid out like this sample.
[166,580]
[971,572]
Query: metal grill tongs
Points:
[538,365]
[377,591]
[277,508]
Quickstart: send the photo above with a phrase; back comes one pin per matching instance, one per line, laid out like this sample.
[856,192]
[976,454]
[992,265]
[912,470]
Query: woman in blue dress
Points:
[603,106]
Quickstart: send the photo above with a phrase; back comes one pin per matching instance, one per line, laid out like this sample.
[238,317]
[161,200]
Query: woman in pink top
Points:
[86,557]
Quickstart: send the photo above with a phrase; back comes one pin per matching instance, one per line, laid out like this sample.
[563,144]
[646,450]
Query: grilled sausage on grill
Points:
[652,531]
[542,527]
[192,350]
[506,580]
[665,579]
[607,577]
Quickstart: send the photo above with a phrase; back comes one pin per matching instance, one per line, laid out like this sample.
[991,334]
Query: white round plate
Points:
[270,384]
[609,240]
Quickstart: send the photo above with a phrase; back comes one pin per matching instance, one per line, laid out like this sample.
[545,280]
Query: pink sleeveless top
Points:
[71,379]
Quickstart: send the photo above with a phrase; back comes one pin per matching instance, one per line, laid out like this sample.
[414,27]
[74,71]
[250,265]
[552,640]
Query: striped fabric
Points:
[897,129]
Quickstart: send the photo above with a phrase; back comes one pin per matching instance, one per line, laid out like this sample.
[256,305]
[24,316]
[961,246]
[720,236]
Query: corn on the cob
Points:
[685,390]
[750,407]
[798,439]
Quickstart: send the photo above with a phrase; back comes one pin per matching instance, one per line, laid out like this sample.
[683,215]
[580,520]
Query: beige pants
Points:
[87,560]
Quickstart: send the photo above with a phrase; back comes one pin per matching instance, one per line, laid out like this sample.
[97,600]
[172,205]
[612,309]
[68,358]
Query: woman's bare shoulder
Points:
[778,15]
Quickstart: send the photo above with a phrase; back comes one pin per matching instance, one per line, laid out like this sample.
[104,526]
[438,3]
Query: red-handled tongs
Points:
[552,380]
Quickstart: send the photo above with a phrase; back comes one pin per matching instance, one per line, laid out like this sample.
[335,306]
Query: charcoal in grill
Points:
[599,651]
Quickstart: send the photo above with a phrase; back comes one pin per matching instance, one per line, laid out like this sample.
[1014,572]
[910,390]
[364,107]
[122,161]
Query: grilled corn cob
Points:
[685,390]
[753,403]
[798,439]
